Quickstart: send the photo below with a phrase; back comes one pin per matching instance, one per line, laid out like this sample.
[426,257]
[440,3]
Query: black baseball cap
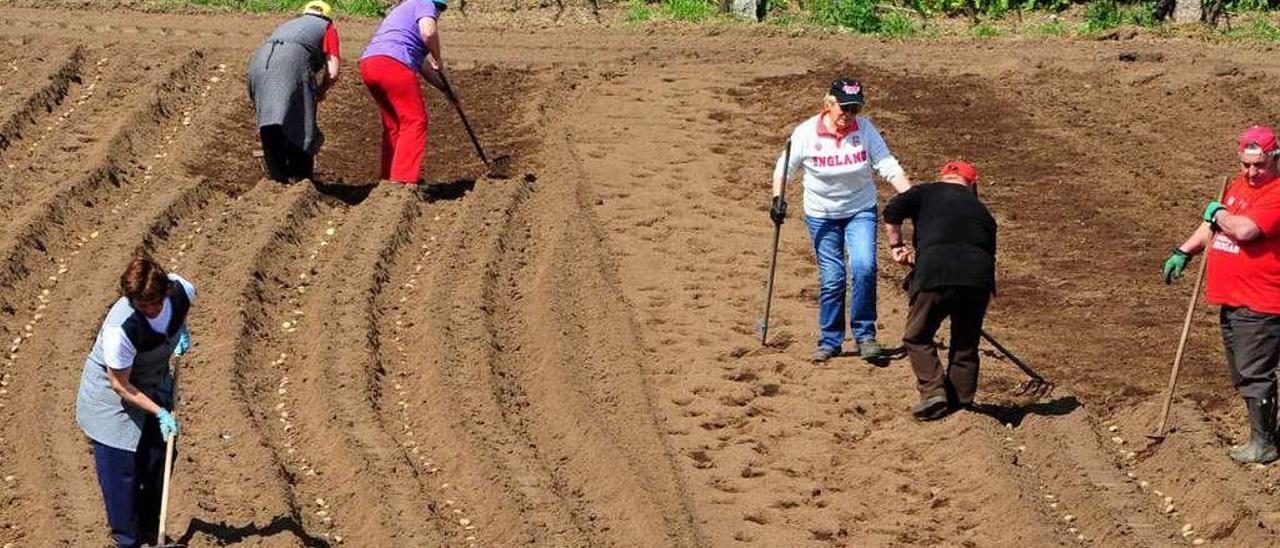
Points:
[847,91]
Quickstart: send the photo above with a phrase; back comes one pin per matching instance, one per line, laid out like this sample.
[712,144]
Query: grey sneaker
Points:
[870,350]
[931,408]
[823,354]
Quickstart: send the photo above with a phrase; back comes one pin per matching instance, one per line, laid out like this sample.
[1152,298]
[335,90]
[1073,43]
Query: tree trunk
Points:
[1186,11]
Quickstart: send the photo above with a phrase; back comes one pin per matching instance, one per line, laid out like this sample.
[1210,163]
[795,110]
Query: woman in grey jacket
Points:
[126,391]
[285,92]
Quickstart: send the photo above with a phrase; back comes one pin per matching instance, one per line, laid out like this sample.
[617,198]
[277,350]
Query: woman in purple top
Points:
[406,44]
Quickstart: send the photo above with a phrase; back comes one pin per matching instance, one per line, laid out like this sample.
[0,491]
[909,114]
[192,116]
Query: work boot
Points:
[931,408]
[870,350]
[824,353]
[1261,448]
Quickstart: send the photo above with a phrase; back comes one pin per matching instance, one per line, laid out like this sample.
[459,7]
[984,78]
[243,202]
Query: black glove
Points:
[778,211]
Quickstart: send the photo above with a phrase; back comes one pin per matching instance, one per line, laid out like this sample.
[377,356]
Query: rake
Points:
[1037,385]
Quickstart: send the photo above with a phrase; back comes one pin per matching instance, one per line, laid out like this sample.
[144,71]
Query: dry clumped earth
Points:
[567,358]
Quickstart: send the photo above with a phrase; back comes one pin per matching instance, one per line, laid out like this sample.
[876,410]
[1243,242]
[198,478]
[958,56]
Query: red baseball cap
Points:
[964,169]
[1258,140]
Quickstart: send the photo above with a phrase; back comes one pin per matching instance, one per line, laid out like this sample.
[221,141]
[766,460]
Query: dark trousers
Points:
[131,485]
[966,306]
[1252,343]
[285,161]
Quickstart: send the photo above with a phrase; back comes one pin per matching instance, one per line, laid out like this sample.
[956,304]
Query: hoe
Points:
[161,541]
[500,164]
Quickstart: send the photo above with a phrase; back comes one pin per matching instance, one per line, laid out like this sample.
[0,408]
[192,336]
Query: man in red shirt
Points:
[1242,233]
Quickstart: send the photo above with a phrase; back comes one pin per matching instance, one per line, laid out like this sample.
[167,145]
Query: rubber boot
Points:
[1261,448]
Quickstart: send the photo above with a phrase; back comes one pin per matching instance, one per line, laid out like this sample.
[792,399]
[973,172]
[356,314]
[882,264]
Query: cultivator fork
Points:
[1036,386]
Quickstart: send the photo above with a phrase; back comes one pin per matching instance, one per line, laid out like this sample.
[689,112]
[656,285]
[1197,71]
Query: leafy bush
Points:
[1258,29]
[993,8]
[688,10]
[1248,5]
[782,19]
[367,8]
[637,10]
[984,30]
[1052,28]
[857,15]
[1102,15]
[896,25]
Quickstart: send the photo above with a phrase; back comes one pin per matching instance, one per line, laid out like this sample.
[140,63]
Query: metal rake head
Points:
[1035,387]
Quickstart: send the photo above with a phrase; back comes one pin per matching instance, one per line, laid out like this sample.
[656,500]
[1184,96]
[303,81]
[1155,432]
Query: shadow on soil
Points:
[350,194]
[1014,414]
[449,190]
[227,534]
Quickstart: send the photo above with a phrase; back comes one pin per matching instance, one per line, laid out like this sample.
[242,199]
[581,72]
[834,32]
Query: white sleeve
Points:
[117,351]
[797,147]
[884,162]
[186,286]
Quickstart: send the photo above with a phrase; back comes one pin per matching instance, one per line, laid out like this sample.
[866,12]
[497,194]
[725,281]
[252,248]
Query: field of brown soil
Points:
[567,357]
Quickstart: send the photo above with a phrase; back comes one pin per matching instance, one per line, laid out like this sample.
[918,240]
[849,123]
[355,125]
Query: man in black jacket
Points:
[954,276]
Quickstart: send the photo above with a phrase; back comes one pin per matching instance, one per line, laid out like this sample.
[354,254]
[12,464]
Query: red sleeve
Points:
[331,45]
[1266,212]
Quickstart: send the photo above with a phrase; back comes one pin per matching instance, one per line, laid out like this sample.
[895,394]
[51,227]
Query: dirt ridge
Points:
[46,99]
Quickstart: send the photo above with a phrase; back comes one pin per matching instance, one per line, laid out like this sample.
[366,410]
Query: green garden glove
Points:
[1211,210]
[1175,264]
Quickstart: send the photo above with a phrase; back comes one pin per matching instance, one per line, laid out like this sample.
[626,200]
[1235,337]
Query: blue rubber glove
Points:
[168,424]
[1212,209]
[184,341]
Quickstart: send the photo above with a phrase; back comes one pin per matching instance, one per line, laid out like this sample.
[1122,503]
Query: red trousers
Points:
[394,87]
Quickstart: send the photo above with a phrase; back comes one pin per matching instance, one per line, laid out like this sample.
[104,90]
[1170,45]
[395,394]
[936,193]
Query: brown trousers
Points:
[966,306]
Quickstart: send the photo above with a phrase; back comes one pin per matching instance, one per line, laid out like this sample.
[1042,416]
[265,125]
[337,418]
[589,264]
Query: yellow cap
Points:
[318,7]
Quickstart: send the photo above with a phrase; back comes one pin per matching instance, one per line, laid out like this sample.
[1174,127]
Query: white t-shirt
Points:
[118,352]
[837,171]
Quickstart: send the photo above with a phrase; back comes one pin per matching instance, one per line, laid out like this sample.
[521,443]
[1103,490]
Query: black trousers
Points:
[966,306]
[1252,343]
[285,161]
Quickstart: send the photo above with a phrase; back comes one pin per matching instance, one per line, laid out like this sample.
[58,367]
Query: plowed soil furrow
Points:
[1066,457]
[462,347]
[246,242]
[331,403]
[516,398]
[54,158]
[52,302]
[571,348]
[417,394]
[41,103]
[53,218]
[58,319]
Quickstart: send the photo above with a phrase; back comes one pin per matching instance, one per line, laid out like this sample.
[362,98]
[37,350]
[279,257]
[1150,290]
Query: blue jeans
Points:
[840,245]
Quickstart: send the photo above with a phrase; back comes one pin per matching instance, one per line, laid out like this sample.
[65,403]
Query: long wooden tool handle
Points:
[1186,329]
[773,254]
[168,456]
[1182,345]
[768,290]
[164,493]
